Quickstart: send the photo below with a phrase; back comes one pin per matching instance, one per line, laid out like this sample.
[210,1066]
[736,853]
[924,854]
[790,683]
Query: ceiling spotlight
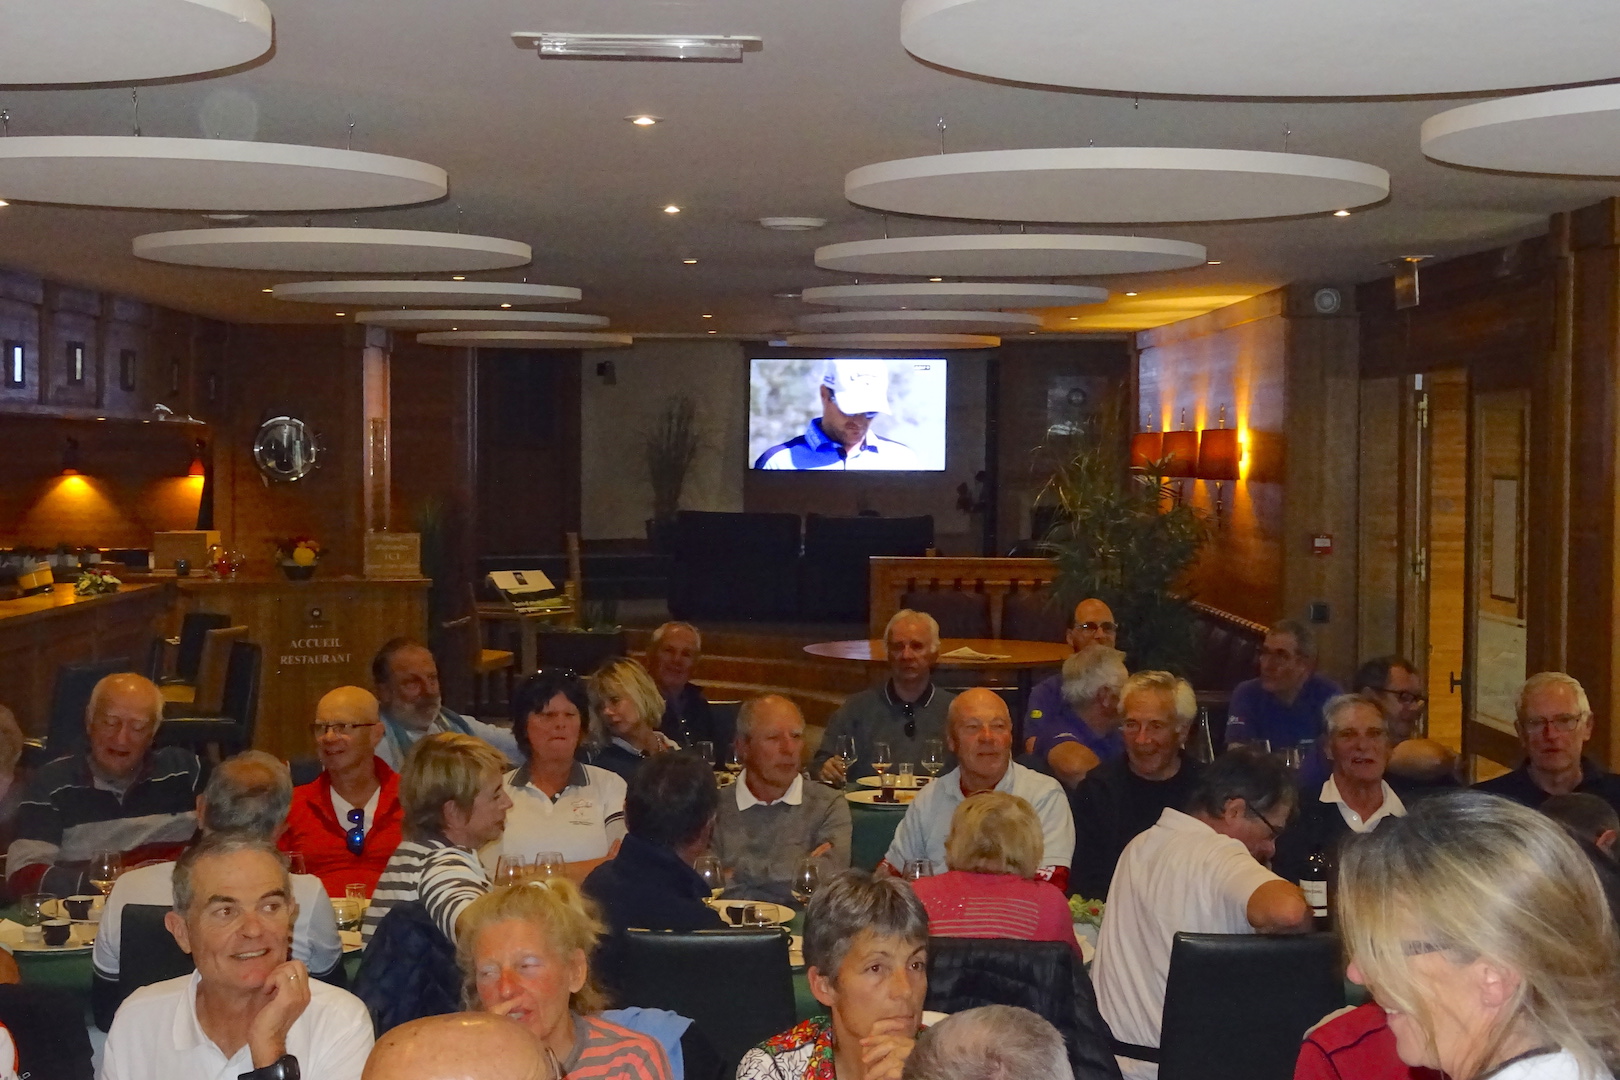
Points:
[706,315]
[4,203]
[644,120]
[714,331]
[1341,213]
[1074,318]
[1213,262]
[792,224]
[672,209]
[936,279]
[689,262]
[506,305]
[1130,294]
[340,314]
[788,294]
[267,290]
[721,48]
[459,277]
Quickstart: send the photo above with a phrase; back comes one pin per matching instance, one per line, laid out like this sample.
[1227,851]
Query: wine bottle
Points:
[1314,883]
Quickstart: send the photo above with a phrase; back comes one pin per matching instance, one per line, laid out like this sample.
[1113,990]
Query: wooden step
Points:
[815,705]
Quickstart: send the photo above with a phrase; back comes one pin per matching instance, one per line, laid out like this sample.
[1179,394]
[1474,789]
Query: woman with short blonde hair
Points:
[1481,929]
[989,889]
[626,710]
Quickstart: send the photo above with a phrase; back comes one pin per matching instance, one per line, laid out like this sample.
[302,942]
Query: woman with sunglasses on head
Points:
[1480,928]
[559,804]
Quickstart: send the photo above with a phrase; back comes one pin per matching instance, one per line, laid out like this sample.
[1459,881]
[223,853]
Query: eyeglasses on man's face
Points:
[1093,627]
[1275,830]
[1565,722]
[1405,697]
[1278,654]
[345,730]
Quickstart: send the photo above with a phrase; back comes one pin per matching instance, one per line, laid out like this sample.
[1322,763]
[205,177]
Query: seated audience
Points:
[407,679]
[11,783]
[1201,871]
[669,815]
[1123,798]
[626,710]
[346,822]
[1396,685]
[247,795]
[980,735]
[1355,1044]
[115,794]
[1283,705]
[1480,929]
[992,1042]
[525,950]
[1594,825]
[903,713]
[866,958]
[672,652]
[454,803]
[1081,729]
[771,818]
[1554,722]
[460,1046]
[558,803]
[247,1009]
[988,889]
[1354,799]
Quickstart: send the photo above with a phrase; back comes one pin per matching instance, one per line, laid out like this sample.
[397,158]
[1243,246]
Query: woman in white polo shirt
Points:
[558,803]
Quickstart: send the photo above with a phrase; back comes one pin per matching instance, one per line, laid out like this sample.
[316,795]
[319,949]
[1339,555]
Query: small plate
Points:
[902,782]
[870,798]
[780,914]
[82,938]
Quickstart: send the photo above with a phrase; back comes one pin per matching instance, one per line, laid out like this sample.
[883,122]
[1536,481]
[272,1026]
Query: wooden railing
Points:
[892,577]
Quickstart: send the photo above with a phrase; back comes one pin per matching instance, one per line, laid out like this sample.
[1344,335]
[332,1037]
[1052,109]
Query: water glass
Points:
[34,907]
[918,868]
[907,774]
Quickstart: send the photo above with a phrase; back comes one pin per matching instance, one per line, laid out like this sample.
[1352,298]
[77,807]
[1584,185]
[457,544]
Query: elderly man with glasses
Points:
[346,822]
[117,793]
[1554,724]
[1283,705]
[1049,709]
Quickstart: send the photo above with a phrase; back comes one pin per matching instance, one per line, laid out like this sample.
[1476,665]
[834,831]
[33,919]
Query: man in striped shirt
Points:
[115,794]
[454,803]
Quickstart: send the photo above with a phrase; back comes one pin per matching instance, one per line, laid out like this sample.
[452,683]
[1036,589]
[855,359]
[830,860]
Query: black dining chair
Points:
[232,730]
[188,647]
[147,953]
[1237,1006]
[70,697]
[1045,977]
[735,985]
[47,1025]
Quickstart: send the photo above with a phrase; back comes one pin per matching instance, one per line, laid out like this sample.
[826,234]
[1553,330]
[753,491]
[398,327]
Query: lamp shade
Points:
[1146,448]
[1219,454]
[1181,453]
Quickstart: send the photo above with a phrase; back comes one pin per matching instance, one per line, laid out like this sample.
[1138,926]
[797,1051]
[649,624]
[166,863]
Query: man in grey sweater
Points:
[772,817]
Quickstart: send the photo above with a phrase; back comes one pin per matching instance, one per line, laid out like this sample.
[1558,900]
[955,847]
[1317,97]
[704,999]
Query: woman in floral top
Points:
[866,950]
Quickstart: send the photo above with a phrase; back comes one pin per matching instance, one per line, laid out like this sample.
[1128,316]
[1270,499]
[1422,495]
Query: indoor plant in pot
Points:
[298,556]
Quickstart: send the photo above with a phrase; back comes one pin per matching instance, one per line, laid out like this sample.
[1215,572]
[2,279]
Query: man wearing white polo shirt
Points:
[1203,872]
[979,732]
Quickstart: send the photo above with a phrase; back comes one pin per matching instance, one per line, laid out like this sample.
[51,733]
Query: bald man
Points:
[115,794]
[459,1046]
[979,731]
[346,822]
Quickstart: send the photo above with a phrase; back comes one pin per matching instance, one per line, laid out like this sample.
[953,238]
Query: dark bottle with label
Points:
[1313,881]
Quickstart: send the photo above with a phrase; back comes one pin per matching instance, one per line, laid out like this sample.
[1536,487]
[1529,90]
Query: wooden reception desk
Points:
[40,633]
[316,635]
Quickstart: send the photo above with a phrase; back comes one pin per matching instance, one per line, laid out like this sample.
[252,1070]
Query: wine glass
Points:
[705,750]
[730,763]
[918,868]
[103,870]
[509,869]
[548,864]
[933,757]
[881,757]
[708,868]
[844,749]
[806,879]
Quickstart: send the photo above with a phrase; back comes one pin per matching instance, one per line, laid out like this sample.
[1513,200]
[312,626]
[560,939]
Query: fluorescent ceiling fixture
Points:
[712,47]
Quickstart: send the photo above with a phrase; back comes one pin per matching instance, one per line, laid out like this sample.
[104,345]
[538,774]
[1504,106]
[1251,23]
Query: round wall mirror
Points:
[285,448]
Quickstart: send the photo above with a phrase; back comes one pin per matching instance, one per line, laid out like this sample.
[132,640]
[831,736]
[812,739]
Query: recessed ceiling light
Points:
[1213,262]
[792,224]
[1074,318]
[1130,294]
[1341,213]
[706,315]
[936,279]
[689,262]
[4,203]
[672,209]
[714,331]
[459,277]
[267,290]
[552,45]
[788,294]
[506,305]
[340,314]
[644,120]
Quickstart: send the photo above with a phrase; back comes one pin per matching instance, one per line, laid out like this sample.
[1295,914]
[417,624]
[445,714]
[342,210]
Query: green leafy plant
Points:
[1125,537]
[669,450]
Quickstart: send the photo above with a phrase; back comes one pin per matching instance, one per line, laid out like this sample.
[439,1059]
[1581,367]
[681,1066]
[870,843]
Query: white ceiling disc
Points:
[207,174]
[427,293]
[482,320]
[1270,48]
[895,342]
[953,295]
[352,251]
[1572,132]
[125,41]
[1116,184]
[1010,255]
[920,322]
[525,339]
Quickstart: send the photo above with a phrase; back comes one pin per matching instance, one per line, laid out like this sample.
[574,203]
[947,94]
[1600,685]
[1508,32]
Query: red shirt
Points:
[1355,1044]
[313,830]
[965,905]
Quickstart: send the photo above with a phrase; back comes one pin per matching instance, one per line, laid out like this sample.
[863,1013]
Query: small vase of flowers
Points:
[298,556]
[94,581]
[1088,917]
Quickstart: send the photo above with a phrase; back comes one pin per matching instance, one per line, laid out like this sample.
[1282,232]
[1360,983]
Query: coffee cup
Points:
[78,907]
[56,931]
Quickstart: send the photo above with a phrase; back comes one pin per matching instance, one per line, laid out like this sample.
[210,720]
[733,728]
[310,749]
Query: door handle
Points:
[1455,682]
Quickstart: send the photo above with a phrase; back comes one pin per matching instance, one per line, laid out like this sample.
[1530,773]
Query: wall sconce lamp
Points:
[1181,454]
[1147,447]
[197,468]
[70,457]
[1220,459]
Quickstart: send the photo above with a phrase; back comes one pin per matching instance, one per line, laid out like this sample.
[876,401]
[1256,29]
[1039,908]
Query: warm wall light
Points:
[1181,453]
[197,468]
[1146,448]
[70,457]
[1220,454]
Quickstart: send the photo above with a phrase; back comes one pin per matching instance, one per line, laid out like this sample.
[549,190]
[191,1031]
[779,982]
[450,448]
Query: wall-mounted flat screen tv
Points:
[847,415]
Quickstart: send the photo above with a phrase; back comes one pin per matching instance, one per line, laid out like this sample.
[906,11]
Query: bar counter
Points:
[39,633]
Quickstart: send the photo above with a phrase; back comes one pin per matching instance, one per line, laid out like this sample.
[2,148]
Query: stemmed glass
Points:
[705,750]
[806,879]
[844,750]
[881,758]
[708,868]
[933,757]
[103,870]
[548,864]
[509,869]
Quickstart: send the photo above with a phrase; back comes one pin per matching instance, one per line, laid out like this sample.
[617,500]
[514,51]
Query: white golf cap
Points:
[858,386]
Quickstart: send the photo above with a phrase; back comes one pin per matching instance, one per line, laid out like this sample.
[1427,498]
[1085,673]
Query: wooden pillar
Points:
[1547,542]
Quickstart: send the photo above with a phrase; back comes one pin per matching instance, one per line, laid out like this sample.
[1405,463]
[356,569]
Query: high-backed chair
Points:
[1045,977]
[47,1024]
[70,697]
[736,985]
[206,695]
[188,645]
[1237,1006]
[229,729]
[147,953]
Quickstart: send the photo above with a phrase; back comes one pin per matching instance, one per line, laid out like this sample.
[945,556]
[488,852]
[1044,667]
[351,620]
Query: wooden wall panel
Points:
[1447,501]
[528,451]
[1379,568]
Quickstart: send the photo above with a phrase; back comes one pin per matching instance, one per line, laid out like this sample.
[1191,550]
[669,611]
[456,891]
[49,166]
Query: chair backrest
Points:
[211,670]
[240,698]
[188,655]
[1033,616]
[1045,977]
[408,970]
[147,952]
[1237,1006]
[959,614]
[71,697]
[736,985]
[47,1024]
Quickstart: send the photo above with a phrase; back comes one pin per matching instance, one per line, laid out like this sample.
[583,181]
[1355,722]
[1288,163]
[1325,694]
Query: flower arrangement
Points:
[1086,912]
[298,556]
[93,581]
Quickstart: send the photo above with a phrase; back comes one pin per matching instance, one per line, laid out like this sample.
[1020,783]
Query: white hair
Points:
[1340,705]
[1178,693]
[1093,668]
[1552,678]
[657,638]
[921,616]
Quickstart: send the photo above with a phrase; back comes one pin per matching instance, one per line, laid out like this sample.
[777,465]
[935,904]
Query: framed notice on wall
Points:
[393,556]
[1505,538]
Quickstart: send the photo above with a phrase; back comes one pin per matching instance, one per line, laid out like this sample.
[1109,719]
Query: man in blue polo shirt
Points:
[853,392]
[1284,705]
